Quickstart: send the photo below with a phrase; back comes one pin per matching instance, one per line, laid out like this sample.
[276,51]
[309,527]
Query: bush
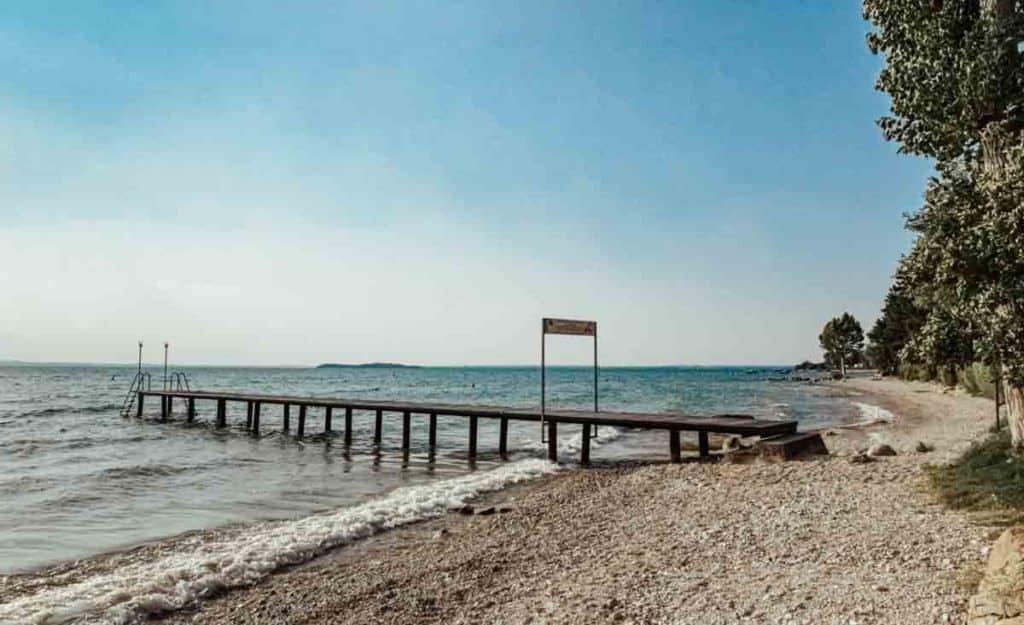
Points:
[987,478]
[977,379]
[914,372]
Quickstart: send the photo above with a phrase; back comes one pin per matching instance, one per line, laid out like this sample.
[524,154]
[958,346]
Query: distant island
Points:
[367,365]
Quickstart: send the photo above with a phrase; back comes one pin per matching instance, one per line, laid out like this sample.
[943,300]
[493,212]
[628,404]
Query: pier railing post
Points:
[552,440]
[406,427]
[348,426]
[472,436]
[673,446]
[503,437]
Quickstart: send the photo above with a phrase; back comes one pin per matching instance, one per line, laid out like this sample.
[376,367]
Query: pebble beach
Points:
[822,540]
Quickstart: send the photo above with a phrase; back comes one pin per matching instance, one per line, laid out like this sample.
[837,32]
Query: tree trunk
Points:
[1014,398]
[842,365]
[994,143]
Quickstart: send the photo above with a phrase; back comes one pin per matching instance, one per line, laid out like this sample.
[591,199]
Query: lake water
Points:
[77,479]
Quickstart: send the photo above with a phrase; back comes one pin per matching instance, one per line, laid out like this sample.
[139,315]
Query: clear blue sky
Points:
[289,183]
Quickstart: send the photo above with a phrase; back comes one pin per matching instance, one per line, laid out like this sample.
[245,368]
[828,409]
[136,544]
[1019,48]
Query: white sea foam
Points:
[133,592]
[874,414]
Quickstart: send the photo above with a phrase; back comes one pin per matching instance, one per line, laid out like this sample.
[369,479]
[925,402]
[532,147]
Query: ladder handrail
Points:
[179,381]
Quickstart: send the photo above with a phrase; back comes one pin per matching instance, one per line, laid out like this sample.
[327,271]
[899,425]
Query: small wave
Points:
[55,410]
[142,470]
[135,592]
[875,414]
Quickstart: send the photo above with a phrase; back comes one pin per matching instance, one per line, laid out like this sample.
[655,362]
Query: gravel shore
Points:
[816,541]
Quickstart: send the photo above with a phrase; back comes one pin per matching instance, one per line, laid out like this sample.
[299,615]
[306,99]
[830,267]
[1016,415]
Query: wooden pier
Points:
[671,422]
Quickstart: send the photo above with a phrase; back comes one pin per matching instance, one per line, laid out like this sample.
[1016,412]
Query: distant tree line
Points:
[954,72]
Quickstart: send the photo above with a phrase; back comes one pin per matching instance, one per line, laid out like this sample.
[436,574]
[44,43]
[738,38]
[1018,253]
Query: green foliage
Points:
[842,339]
[950,71]
[900,319]
[916,372]
[989,477]
[977,379]
[955,78]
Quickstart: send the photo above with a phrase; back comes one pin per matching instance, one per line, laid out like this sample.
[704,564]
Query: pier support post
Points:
[673,446]
[163,407]
[248,415]
[328,413]
[552,440]
[585,445]
[191,401]
[222,413]
[138,410]
[432,432]
[406,426]
[377,425]
[256,418]
[702,444]
[503,437]
[472,437]
[348,426]
[302,421]
[287,418]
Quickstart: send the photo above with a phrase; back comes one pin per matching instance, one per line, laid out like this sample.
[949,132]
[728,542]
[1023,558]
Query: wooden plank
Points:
[348,426]
[406,426]
[286,417]
[327,419]
[575,327]
[673,446]
[503,437]
[585,446]
[721,424]
[302,421]
[794,445]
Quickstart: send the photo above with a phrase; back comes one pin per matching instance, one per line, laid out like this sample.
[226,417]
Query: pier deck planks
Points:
[673,422]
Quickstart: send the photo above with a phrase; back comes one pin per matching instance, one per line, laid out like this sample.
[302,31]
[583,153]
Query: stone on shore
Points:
[881,449]
[1000,596]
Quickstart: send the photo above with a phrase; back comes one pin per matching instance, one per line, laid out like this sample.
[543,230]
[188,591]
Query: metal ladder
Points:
[178,381]
[142,381]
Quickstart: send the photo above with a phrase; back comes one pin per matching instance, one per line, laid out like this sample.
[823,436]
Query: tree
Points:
[955,76]
[842,339]
[901,319]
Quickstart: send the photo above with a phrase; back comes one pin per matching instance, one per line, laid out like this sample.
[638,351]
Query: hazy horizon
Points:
[422,183]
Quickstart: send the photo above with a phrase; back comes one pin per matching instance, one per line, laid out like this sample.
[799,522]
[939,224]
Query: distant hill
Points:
[368,365]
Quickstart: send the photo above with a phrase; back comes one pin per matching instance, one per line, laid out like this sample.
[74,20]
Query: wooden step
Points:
[790,446]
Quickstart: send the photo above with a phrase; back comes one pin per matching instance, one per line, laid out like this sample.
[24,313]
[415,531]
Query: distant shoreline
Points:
[368,365]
